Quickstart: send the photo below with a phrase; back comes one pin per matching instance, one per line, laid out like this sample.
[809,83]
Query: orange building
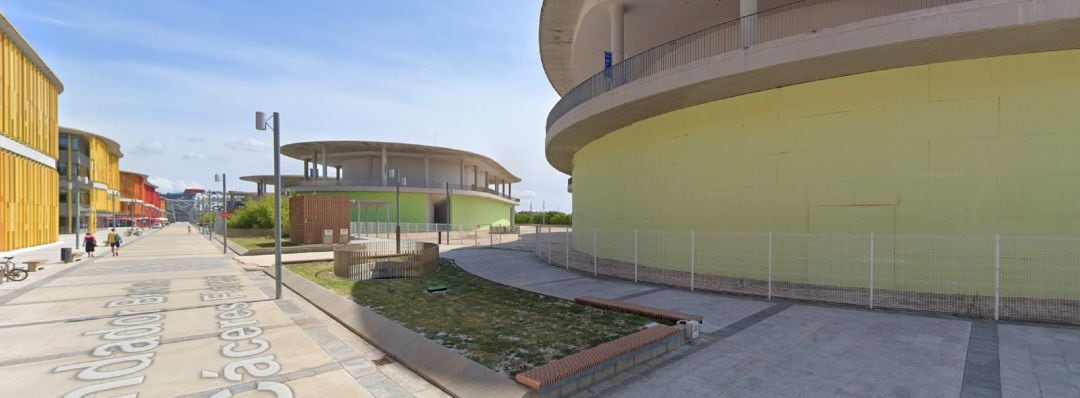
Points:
[141,205]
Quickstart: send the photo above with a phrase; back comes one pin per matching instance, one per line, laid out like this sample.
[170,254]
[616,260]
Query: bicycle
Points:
[133,231]
[8,270]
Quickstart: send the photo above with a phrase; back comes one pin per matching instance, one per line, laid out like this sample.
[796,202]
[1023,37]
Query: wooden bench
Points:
[551,375]
[34,265]
[637,309]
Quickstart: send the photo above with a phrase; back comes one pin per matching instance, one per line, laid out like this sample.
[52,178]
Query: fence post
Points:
[635,255]
[770,266]
[594,252]
[871,270]
[997,276]
[692,241]
[549,244]
[537,228]
[476,236]
[567,264]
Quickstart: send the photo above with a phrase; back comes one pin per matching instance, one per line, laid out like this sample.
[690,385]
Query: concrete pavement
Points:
[172,316]
[758,348]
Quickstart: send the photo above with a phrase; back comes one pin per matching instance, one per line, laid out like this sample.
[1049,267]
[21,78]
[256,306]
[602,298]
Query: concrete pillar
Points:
[427,176]
[617,53]
[510,189]
[384,166]
[307,170]
[475,176]
[747,27]
[314,164]
[325,173]
[462,185]
[337,173]
[486,180]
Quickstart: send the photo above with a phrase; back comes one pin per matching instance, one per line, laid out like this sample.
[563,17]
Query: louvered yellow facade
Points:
[29,183]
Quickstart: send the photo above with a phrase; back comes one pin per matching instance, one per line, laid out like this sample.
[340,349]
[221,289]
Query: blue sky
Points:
[177,82]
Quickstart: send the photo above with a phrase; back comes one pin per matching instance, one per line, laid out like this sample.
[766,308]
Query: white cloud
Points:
[149,148]
[194,140]
[167,185]
[525,194]
[249,145]
[193,156]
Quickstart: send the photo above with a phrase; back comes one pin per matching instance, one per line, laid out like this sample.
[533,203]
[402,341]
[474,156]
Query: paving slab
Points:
[1039,361]
[172,316]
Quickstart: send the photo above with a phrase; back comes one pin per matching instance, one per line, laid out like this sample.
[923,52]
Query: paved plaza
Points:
[758,348]
[172,316]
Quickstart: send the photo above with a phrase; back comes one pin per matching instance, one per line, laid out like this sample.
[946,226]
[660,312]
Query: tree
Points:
[549,218]
[259,213]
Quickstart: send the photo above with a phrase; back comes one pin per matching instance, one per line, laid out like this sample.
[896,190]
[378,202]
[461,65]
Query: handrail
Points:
[798,17]
[331,182]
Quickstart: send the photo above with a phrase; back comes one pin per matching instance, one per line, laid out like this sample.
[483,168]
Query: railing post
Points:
[635,256]
[770,267]
[997,276]
[692,241]
[594,252]
[537,229]
[549,244]
[871,270]
[567,264]
[476,236]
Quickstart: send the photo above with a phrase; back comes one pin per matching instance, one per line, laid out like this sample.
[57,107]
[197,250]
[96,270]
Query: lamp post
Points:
[398,179]
[260,124]
[224,212]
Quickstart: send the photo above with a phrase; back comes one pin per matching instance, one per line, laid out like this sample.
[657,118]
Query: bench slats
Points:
[555,371]
[638,309]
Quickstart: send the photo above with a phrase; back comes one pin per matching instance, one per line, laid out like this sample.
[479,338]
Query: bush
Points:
[549,218]
[259,213]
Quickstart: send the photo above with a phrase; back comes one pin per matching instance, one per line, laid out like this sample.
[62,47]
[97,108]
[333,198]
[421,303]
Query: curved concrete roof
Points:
[13,34]
[989,28]
[114,147]
[269,179]
[558,26]
[336,151]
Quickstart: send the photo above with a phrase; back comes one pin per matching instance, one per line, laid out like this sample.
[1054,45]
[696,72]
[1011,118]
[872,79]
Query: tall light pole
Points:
[398,178]
[260,124]
[224,212]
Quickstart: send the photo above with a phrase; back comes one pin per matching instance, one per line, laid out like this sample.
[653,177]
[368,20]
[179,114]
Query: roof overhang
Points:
[337,151]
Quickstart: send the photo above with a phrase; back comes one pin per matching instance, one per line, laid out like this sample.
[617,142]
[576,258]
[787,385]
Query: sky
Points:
[177,83]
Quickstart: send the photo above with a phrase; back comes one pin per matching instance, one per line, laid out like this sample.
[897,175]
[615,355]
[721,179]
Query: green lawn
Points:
[503,328]
[263,242]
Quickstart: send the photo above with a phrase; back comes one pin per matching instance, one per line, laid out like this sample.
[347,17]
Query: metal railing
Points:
[1000,277]
[332,182]
[799,17]
[385,260]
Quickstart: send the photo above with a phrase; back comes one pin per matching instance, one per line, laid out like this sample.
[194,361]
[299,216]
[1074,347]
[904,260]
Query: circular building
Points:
[369,173]
[838,116]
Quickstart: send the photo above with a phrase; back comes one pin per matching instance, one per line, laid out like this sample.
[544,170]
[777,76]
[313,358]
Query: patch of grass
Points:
[503,328]
[263,242]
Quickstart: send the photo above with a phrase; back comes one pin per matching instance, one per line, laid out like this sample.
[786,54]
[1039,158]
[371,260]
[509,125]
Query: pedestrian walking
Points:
[89,244]
[189,229]
[114,241]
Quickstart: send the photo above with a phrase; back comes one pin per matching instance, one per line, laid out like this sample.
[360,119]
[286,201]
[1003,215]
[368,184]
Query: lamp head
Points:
[260,121]
[217,177]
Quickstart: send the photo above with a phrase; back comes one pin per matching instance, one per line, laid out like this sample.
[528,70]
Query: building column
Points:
[324,161]
[384,166]
[462,185]
[307,170]
[338,173]
[314,164]
[486,179]
[510,189]
[748,24]
[427,176]
[617,54]
[475,176]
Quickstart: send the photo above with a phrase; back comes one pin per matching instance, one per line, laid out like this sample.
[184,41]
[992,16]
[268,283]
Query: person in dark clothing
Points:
[89,243]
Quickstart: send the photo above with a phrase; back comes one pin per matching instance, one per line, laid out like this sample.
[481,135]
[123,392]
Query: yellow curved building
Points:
[838,116]
[28,144]
[89,164]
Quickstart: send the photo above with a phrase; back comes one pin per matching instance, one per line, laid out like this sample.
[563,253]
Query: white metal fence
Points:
[1000,277]
[451,234]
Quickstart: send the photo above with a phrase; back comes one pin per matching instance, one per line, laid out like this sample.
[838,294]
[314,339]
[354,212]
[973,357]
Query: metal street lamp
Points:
[224,212]
[260,124]
[398,179]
